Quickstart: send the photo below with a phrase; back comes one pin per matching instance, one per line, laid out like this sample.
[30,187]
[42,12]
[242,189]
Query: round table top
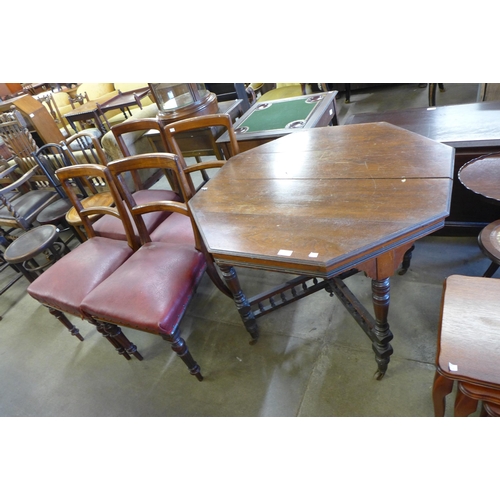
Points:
[482,176]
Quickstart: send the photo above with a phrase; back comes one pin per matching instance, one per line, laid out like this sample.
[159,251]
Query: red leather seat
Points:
[66,283]
[150,292]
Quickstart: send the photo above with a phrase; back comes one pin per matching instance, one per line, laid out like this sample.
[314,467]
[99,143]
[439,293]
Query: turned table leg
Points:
[383,335]
[242,304]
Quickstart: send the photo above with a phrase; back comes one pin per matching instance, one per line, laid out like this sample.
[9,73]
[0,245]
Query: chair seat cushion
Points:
[176,228]
[29,204]
[111,227]
[151,290]
[65,284]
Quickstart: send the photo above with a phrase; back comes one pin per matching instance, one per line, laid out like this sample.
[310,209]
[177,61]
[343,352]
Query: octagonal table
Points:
[323,204]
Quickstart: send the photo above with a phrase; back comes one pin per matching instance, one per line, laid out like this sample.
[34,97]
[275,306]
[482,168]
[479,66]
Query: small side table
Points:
[482,176]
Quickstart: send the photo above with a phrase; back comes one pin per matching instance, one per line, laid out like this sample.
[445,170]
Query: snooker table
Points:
[269,120]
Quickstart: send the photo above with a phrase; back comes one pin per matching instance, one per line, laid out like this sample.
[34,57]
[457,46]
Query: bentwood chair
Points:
[63,286]
[468,350]
[194,125]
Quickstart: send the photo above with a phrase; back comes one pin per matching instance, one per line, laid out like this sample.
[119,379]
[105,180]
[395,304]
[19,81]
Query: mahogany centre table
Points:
[323,204]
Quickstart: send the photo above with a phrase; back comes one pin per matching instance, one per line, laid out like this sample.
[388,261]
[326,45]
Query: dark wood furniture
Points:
[322,204]
[482,177]
[196,127]
[473,130]
[201,143]
[468,343]
[41,240]
[266,121]
[87,111]
[87,265]
[22,210]
[153,288]
[123,101]
[96,110]
[142,284]
[468,397]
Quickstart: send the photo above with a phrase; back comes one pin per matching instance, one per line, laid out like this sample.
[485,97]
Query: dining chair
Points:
[196,124]
[50,158]
[22,210]
[84,148]
[152,289]
[126,133]
[468,349]
[64,285]
[22,145]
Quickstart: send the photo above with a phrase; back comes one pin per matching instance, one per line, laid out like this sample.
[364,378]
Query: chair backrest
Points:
[50,158]
[118,168]
[18,140]
[84,148]
[17,212]
[68,176]
[208,123]
[129,130]
[122,168]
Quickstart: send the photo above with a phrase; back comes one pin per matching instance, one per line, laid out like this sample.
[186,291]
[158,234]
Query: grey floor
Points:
[311,360]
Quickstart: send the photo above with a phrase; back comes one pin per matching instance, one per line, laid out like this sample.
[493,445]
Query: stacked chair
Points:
[135,283]
[146,279]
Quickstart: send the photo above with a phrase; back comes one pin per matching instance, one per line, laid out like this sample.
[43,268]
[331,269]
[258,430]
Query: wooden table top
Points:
[323,200]
[470,306]
[462,125]
[88,107]
[124,99]
[482,176]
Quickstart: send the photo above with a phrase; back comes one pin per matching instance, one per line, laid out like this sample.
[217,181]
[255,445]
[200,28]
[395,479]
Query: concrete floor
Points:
[312,359]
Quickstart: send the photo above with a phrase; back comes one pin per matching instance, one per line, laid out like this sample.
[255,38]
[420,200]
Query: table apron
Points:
[377,264]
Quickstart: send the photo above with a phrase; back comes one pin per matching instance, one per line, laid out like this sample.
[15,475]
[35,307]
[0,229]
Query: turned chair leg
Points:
[111,338]
[66,322]
[116,333]
[179,346]
[441,388]
[464,405]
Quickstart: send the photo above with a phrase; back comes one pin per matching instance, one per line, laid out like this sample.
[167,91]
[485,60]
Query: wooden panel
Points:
[37,115]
